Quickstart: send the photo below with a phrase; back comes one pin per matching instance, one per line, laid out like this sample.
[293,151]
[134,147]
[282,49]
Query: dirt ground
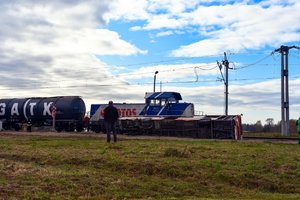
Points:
[124,137]
[89,134]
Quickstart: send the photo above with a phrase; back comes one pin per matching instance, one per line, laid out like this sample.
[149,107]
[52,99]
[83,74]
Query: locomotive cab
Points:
[166,104]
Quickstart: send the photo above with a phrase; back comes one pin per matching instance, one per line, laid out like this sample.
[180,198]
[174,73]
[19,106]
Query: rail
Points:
[270,138]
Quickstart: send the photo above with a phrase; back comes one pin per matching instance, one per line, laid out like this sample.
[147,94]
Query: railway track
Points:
[270,138]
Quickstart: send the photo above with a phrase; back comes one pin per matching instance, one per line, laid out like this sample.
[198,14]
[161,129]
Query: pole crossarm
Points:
[286,48]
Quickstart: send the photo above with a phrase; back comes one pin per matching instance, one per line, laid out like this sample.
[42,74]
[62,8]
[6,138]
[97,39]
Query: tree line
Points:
[269,126]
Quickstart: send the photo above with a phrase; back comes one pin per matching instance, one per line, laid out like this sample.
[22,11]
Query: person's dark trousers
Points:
[111,128]
[299,138]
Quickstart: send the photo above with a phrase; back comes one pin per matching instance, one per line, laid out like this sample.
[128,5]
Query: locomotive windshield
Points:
[162,98]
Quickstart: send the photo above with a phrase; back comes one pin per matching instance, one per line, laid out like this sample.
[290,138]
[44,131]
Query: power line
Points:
[146,83]
[201,67]
[249,53]
[165,61]
[62,72]
[137,64]
[196,67]
[295,56]
[148,63]
[254,63]
[169,70]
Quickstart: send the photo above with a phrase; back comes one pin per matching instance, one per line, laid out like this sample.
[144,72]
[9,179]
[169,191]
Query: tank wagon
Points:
[163,114]
[40,111]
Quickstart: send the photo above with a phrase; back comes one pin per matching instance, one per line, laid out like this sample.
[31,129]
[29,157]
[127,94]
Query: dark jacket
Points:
[111,114]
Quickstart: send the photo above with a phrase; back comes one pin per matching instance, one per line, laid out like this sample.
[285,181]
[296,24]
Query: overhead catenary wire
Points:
[254,63]
[165,61]
[194,67]
[201,67]
[134,64]
[169,70]
[146,83]
[294,55]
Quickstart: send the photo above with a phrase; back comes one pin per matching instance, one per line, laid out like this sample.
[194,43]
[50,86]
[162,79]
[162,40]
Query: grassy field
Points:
[45,167]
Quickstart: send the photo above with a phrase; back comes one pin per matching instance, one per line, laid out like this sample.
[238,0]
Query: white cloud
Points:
[235,25]
[222,30]
[71,42]
[128,10]
[165,33]
[173,7]
[50,48]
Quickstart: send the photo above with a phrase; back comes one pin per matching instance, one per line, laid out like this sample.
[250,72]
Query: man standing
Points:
[111,117]
[298,128]
[86,123]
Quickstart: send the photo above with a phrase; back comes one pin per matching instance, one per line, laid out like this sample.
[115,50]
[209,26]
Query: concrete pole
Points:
[283,122]
[226,64]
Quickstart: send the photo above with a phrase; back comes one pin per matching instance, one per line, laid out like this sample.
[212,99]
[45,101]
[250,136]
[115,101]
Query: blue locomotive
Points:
[157,104]
[163,114]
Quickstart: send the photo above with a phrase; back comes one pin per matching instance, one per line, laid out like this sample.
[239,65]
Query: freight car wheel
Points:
[6,126]
[69,129]
[79,128]
[97,129]
[59,129]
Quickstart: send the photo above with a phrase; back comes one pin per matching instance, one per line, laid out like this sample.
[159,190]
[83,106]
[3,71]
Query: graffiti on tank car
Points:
[47,108]
[2,109]
[14,111]
[31,105]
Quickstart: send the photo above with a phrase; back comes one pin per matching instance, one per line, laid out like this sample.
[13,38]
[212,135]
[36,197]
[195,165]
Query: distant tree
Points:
[269,125]
[293,128]
[277,127]
[248,127]
[258,126]
[270,121]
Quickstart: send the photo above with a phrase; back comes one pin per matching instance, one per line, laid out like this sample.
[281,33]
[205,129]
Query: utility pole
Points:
[225,80]
[285,112]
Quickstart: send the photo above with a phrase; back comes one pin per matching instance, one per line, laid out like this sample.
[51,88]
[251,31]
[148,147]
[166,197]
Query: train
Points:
[66,111]
[161,114]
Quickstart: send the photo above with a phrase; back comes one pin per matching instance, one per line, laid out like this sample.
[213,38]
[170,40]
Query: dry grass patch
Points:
[88,168]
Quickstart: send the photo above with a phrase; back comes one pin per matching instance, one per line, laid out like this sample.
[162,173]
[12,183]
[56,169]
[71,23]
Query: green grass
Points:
[37,167]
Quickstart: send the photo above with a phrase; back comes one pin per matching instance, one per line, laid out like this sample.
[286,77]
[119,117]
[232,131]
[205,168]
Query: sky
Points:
[106,50]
